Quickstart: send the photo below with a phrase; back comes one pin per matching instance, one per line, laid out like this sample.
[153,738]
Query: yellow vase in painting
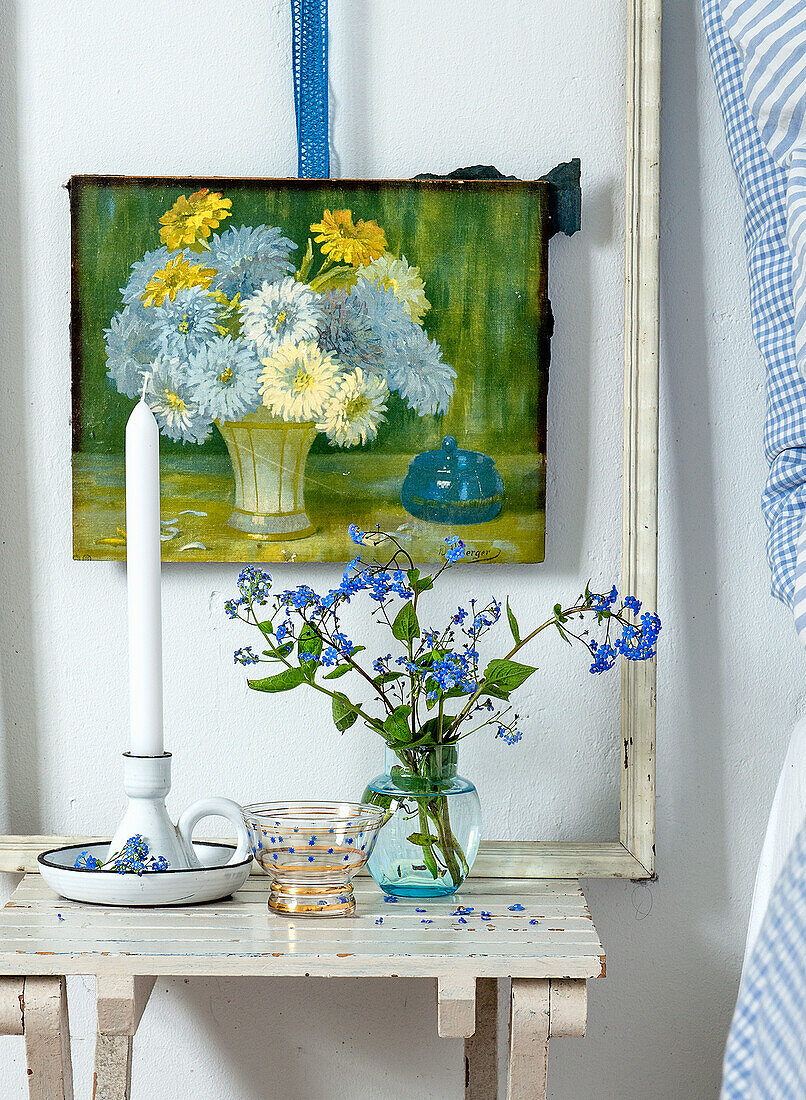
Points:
[268,460]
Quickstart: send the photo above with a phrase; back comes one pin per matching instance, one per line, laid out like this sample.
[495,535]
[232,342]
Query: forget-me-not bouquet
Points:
[436,689]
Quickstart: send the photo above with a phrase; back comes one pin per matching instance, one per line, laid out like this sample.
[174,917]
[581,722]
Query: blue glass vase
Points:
[428,845]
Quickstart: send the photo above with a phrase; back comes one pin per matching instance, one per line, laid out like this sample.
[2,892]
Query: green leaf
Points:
[341,276]
[563,635]
[495,691]
[422,839]
[396,724]
[430,862]
[309,642]
[419,584]
[338,671]
[305,266]
[428,658]
[283,681]
[405,627]
[386,678]
[507,674]
[266,628]
[345,713]
[278,651]
[513,624]
[558,614]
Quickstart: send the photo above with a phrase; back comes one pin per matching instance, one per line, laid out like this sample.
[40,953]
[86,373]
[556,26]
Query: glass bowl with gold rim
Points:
[311,851]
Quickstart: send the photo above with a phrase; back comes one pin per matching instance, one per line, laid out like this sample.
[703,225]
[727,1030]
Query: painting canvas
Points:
[316,353]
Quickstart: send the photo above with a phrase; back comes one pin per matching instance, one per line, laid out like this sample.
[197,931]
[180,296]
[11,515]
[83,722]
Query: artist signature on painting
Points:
[489,553]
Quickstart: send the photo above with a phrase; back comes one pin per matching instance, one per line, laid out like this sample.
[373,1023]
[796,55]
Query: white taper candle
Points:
[143,566]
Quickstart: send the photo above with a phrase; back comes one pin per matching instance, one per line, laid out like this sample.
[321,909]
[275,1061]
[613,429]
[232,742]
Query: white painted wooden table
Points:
[549,949]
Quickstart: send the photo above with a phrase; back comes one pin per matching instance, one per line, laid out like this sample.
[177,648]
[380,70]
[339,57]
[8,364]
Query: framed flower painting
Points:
[316,353]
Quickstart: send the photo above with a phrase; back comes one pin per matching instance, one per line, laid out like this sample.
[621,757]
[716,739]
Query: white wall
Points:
[205,88]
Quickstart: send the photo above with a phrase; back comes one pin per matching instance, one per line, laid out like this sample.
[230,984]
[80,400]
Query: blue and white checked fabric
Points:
[770,36]
[764,185]
[766,1054]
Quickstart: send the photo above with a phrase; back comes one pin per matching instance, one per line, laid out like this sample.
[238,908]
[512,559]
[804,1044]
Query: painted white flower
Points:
[223,377]
[416,369]
[287,312]
[402,279]
[298,381]
[353,415]
[173,402]
[131,347]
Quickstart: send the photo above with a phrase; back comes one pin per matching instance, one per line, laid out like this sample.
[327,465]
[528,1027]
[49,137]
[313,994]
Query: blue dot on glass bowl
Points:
[346,858]
[274,855]
[330,851]
[312,841]
[310,859]
[291,851]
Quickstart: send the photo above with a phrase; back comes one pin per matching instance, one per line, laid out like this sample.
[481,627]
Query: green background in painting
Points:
[481,248]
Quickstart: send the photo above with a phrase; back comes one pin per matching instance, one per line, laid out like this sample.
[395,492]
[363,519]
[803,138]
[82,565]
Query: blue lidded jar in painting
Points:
[453,486]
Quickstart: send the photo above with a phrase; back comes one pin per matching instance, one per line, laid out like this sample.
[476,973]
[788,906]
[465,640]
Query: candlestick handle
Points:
[215,807]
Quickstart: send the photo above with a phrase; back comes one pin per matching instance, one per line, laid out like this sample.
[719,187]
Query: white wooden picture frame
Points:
[632,855]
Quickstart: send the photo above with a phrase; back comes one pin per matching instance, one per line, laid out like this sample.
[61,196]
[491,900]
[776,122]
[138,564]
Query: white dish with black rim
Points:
[217,878]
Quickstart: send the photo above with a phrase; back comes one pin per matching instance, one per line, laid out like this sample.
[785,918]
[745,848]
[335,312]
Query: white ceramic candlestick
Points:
[147,768]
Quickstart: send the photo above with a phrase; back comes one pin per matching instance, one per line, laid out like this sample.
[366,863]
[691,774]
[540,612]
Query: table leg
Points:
[47,1039]
[528,1039]
[541,1009]
[456,1006]
[481,1048]
[12,999]
[121,1002]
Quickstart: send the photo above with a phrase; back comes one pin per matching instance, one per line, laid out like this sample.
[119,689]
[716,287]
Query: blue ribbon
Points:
[309,59]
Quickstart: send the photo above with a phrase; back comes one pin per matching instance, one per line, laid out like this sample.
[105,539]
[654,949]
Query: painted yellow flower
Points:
[178,274]
[192,219]
[344,241]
